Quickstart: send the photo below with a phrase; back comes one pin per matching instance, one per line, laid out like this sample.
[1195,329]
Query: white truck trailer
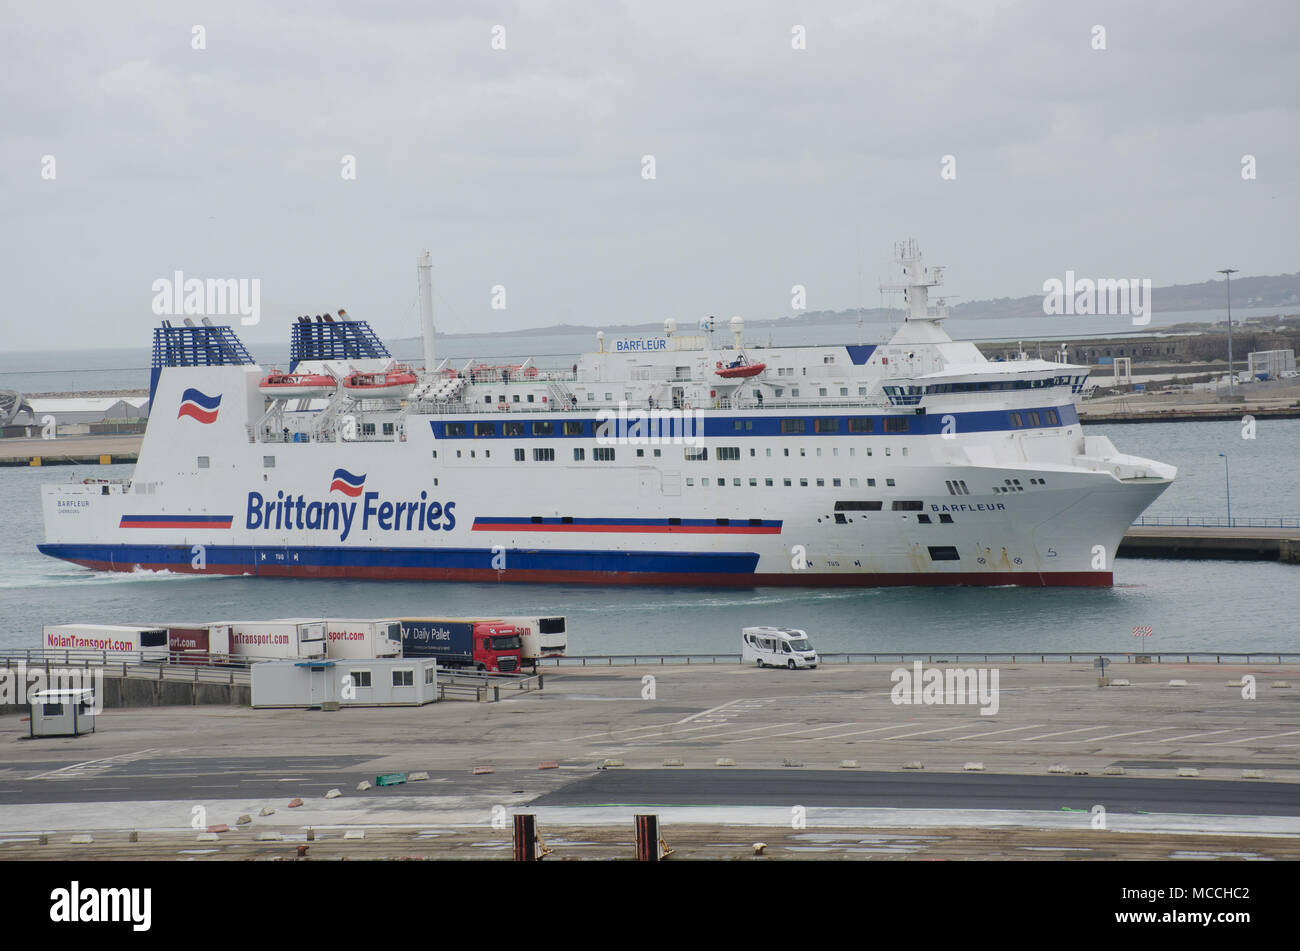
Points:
[114,643]
[363,639]
[288,637]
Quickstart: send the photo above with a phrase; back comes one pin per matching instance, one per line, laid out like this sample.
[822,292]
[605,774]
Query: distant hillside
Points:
[1282,290]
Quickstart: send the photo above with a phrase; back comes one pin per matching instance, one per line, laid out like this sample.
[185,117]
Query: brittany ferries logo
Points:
[289,512]
[347,483]
[198,405]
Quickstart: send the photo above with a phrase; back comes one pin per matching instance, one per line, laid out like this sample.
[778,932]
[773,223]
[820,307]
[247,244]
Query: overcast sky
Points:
[523,167]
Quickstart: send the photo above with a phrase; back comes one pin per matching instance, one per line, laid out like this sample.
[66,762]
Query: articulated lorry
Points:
[484,645]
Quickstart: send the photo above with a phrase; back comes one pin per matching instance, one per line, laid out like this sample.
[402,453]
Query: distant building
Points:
[86,409]
[1270,363]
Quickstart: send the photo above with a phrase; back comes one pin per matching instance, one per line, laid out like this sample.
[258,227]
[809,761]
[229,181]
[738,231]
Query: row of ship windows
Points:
[922,519]
[627,396]
[721,482]
[789,426]
[579,427]
[689,453]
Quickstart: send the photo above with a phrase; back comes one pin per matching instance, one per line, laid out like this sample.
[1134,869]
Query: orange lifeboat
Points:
[390,384]
[291,386]
[740,367]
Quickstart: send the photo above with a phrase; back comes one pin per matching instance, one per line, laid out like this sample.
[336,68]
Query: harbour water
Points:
[1189,605]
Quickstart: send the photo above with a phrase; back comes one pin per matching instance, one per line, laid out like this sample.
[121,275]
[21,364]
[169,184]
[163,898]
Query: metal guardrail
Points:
[481,685]
[183,673]
[888,657]
[74,657]
[1211,521]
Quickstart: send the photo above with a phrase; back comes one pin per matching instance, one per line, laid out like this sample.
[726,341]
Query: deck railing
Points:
[1219,521]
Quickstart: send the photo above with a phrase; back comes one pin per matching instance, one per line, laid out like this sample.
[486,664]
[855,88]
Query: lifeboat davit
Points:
[290,386]
[390,384]
[739,368]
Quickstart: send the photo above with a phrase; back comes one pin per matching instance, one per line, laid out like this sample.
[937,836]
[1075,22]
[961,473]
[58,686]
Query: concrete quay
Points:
[1185,759]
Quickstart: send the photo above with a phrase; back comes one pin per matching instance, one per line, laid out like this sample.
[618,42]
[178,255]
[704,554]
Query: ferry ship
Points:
[649,461]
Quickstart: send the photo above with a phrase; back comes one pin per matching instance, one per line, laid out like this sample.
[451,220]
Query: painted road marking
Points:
[1013,729]
[1267,736]
[1043,736]
[1188,736]
[1131,733]
[892,726]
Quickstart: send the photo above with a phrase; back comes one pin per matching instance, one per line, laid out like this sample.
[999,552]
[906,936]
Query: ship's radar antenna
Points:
[920,279]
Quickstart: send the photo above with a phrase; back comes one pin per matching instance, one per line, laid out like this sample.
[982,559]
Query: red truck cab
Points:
[497,647]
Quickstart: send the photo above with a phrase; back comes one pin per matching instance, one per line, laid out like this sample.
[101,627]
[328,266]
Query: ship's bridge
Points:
[1011,382]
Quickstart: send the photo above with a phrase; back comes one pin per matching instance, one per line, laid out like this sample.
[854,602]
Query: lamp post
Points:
[1227,272]
[1227,487]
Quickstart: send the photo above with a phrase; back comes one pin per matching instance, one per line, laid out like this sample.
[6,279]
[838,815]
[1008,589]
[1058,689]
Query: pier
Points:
[1244,539]
[70,450]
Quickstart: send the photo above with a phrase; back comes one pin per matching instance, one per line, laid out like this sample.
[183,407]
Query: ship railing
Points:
[424,407]
[1218,521]
[908,657]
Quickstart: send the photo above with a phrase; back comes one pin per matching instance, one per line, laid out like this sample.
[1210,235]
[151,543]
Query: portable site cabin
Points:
[345,682]
[65,712]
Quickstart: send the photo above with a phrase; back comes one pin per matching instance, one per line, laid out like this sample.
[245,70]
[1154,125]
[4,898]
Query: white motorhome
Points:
[777,647]
[363,639]
[114,642]
[289,637]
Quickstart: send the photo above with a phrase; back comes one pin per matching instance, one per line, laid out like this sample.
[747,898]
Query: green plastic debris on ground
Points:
[390,779]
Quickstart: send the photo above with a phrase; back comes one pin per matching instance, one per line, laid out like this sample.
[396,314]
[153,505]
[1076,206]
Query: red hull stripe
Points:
[176,521]
[1091,579]
[629,528]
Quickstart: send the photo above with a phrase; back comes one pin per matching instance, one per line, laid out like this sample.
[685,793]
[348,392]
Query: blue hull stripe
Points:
[720,427]
[251,558]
